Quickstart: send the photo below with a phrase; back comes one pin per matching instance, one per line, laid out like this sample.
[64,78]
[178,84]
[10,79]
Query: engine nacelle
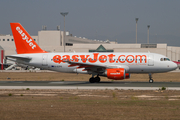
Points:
[117,74]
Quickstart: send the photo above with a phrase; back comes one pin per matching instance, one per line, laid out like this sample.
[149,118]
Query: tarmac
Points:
[86,85]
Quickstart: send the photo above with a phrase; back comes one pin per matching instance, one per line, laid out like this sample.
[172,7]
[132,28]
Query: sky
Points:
[98,19]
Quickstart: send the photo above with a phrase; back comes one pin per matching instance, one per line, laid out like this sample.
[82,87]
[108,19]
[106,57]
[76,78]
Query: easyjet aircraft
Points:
[116,66]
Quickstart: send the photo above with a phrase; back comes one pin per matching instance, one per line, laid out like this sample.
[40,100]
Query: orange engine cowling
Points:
[117,74]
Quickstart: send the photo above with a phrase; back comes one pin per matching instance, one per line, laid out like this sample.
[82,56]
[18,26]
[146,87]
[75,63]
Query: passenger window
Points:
[161,59]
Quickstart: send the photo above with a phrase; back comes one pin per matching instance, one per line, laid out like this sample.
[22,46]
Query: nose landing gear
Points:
[150,78]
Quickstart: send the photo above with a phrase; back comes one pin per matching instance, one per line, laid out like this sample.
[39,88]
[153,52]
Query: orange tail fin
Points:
[23,41]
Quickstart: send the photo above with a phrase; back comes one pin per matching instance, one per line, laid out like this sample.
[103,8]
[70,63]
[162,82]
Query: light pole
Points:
[136,28]
[64,14]
[148,26]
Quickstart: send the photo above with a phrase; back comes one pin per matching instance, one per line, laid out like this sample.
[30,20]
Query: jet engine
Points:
[117,74]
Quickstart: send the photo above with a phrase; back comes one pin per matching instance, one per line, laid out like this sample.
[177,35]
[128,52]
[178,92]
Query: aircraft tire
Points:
[92,80]
[97,79]
[151,81]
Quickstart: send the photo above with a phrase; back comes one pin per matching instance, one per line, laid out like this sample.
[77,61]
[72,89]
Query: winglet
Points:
[23,41]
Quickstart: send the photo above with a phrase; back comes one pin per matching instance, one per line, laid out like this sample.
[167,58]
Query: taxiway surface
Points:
[87,85]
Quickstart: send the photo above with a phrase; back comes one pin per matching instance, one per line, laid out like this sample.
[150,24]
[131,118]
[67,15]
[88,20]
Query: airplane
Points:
[113,65]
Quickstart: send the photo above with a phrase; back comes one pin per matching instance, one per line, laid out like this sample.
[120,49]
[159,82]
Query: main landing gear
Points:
[94,79]
[150,78]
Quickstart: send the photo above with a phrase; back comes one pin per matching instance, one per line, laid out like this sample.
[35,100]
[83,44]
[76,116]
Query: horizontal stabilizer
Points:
[18,58]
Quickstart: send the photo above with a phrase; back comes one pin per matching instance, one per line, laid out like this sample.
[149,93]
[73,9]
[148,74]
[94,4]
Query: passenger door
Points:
[151,60]
[44,60]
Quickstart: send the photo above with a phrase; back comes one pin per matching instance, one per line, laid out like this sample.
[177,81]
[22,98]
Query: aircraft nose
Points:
[173,66]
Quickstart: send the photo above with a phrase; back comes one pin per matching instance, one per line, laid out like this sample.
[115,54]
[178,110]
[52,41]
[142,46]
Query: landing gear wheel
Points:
[151,81]
[92,80]
[97,79]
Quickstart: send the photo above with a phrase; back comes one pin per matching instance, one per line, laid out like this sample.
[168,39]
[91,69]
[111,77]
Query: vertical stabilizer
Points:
[23,41]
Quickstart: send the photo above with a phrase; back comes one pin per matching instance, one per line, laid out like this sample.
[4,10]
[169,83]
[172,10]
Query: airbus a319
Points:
[116,65]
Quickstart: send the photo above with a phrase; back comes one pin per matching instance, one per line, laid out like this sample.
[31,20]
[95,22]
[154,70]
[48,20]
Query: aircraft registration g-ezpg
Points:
[116,66]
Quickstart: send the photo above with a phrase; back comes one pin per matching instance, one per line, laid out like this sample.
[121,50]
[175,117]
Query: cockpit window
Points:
[165,59]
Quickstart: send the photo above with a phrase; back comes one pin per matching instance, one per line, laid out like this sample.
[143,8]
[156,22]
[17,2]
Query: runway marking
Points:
[56,82]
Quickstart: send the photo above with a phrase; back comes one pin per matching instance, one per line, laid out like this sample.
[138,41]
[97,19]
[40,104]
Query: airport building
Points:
[52,41]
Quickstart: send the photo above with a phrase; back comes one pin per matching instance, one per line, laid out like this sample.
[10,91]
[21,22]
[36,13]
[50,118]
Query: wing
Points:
[97,68]
[94,67]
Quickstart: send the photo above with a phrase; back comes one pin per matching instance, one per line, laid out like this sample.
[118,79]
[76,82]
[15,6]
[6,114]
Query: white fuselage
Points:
[132,62]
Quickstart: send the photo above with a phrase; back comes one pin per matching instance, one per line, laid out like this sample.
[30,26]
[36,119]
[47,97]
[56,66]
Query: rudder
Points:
[23,41]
